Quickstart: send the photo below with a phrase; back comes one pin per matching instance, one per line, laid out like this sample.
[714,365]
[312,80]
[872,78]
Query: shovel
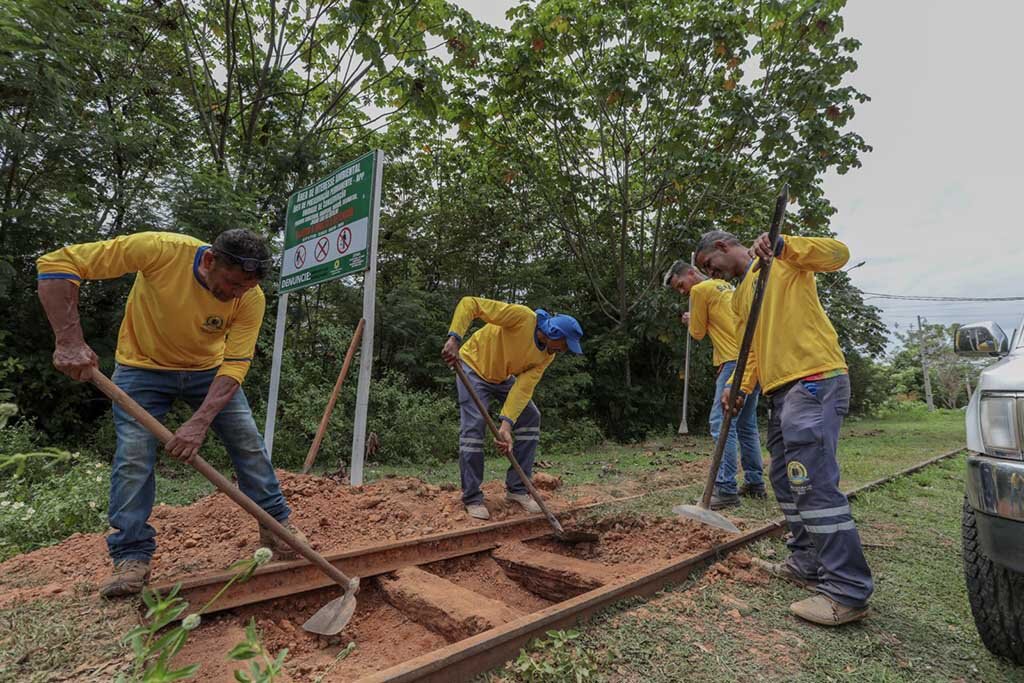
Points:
[325,420]
[560,533]
[683,427]
[333,616]
[702,512]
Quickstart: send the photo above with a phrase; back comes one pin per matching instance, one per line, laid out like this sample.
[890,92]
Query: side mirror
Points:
[981,339]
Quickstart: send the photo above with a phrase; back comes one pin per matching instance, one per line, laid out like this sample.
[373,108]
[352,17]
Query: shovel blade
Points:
[705,516]
[330,619]
[577,537]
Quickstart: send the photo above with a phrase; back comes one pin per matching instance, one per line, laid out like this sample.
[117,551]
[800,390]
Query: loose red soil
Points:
[638,540]
[484,576]
[213,532]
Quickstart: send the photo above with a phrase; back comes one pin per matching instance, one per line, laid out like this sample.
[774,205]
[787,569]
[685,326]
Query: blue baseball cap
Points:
[560,326]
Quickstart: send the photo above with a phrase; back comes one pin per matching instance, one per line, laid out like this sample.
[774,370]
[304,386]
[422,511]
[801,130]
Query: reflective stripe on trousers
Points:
[472,429]
[803,436]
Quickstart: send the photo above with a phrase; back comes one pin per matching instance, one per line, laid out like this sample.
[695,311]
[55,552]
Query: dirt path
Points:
[386,633]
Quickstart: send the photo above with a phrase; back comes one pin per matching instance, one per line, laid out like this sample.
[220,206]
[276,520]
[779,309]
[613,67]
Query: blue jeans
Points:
[132,481]
[743,430]
[472,426]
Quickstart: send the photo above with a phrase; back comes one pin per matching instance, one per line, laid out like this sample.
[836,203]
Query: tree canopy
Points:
[563,162]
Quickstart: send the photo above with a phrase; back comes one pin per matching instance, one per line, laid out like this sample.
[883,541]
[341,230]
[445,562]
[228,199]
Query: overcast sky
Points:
[934,210]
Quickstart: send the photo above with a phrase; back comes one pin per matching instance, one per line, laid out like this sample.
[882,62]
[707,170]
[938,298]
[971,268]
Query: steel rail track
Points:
[284,579]
[467,658]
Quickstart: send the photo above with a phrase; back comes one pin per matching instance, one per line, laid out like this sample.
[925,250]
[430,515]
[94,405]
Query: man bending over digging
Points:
[189,331]
[503,360]
[711,315]
[795,356]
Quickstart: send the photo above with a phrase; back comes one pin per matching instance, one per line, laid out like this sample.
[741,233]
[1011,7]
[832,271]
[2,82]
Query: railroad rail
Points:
[286,579]
[467,658]
[464,660]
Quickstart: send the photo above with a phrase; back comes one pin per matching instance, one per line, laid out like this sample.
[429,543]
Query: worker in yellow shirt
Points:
[503,360]
[189,331]
[795,356]
[710,313]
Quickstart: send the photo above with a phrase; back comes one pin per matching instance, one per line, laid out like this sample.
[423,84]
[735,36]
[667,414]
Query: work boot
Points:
[753,491]
[525,501]
[782,570]
[129,578]
[478,511]
[281,550]
[823,610]
[721,501]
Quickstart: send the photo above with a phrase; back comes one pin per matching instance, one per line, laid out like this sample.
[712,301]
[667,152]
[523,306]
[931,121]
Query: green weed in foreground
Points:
[156,642]
[263,668]
[558,657]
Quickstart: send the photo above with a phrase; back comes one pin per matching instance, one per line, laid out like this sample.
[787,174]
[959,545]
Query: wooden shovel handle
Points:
[128,404]
[748,338]
[322,429]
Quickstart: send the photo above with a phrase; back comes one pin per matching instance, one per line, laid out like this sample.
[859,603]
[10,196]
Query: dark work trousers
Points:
[803,436]
[472,426]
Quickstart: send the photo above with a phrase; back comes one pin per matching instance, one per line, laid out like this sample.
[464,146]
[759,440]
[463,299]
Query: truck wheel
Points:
[996,594]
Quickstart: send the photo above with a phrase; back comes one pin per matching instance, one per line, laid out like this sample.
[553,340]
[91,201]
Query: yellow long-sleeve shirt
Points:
[794,337]
[171,320]
[505,347]
[711,313]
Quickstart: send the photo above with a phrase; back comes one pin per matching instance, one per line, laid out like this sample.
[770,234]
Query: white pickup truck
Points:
[993,514]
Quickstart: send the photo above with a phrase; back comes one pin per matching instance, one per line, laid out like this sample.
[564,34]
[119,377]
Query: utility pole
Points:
[967,379]
[924,367]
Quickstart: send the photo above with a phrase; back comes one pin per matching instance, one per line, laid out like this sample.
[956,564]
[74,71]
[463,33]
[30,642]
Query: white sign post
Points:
[275,371]
[366,354]
[331,231]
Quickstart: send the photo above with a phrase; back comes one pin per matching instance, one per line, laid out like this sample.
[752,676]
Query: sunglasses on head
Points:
[247,263]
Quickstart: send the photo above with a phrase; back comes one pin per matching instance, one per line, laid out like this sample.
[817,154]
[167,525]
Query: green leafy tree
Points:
[561,163]
[628,128]
[948,372]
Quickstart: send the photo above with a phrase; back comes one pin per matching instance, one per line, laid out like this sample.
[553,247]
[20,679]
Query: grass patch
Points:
[44,507]
[921,628]
[71,636]
[607,464]
[869,448]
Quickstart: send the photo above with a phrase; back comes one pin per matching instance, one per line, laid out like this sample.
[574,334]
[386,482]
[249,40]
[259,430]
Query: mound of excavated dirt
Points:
[213,532]
[641,540]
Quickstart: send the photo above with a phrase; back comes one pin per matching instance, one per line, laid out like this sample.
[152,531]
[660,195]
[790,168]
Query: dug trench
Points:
[418,609]
[211,533]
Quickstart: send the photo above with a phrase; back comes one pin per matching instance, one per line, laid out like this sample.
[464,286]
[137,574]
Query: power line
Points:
[902,297]
[929,317]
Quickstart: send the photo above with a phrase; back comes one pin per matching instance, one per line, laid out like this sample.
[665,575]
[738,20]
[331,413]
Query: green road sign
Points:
[328,226]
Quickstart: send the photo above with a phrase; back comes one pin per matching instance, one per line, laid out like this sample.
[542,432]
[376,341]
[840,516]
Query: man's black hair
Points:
[678,269]
[245,250]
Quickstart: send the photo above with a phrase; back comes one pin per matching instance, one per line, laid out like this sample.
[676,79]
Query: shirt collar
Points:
[747,271]
[195,266]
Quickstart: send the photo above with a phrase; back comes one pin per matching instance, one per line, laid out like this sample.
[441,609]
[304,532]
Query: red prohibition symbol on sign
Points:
[344,240]
[321,249]
[300,256]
